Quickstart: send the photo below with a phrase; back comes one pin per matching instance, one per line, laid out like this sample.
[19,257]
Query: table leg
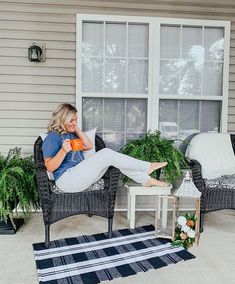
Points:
[197,229]
[128,205]
[132,211]
[157,215]
[174,217]
[164,211]
[159,207]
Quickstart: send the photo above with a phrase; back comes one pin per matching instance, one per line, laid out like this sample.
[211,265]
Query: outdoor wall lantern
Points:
[36,53]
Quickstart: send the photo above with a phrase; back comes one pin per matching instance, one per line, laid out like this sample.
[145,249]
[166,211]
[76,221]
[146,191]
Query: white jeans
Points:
[87,172]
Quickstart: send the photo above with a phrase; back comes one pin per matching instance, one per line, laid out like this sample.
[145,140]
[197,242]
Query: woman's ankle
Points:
[156,165]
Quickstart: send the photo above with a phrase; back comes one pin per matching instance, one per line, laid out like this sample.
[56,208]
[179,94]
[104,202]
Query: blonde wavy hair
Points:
[60,117]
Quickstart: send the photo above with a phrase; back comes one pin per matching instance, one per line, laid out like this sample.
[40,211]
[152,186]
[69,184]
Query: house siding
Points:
[30,91]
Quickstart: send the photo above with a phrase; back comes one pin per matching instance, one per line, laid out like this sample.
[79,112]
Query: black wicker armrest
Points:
[112,175]
[197,175]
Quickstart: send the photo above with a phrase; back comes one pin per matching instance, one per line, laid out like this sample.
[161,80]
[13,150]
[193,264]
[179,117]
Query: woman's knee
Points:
[107,156]
[106,151]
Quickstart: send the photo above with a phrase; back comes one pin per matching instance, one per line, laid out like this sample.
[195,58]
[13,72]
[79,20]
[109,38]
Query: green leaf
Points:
[194,218]
[177,243]
[188,216]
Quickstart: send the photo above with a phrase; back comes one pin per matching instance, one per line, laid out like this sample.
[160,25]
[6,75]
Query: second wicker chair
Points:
[220,195]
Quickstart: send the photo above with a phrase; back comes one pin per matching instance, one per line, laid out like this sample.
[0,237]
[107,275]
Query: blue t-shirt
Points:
[51,146]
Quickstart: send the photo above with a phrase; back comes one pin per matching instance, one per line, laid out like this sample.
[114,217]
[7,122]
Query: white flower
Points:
[181,220]
[185,229]
[191,233]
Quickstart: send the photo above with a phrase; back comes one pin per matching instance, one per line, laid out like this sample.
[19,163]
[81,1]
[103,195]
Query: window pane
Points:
[114,140]
[92,39]
[179,119]
[168,111]
[212,79]
[210,116]
[114,119]
[138,38]
[214,43]
[169,77]
[191,74]
[189,115]
[92,75]
[105,68]
[137,76]
[92,113]
[115,75]
[170,42]
[133,136]
[192,43]
[117,119]
[115,39]
[136,115]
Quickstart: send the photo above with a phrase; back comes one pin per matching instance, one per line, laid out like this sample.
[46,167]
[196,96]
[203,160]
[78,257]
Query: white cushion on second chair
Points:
[214,152]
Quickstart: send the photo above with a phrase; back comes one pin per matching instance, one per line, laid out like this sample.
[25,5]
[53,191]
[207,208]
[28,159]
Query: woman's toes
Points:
[162,165]
[155,182]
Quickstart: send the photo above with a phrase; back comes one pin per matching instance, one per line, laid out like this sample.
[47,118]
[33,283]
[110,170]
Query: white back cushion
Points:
[50,175]
[90,134]
[214,152]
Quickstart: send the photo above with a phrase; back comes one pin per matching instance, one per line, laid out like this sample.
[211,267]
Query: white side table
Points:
[136,189]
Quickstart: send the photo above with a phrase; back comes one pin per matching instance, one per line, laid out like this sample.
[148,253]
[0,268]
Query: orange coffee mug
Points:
[76,144]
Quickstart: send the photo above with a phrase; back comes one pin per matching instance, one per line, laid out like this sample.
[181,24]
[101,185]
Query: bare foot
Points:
[156,166]
[155,182]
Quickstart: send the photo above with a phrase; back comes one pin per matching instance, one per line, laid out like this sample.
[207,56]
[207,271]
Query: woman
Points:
[71,171]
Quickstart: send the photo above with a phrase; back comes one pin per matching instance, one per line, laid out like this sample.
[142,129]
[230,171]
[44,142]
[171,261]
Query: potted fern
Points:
[17,187]
[153,148]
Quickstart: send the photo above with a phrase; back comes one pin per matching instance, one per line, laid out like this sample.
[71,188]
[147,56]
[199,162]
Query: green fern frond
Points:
[152,147]
[17,185]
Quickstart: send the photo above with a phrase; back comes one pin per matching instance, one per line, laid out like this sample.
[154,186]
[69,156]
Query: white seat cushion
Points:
[214,152]
[226,182]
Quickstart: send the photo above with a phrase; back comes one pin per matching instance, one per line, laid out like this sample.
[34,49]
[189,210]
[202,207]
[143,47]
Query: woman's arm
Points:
[53,163]
[86,141]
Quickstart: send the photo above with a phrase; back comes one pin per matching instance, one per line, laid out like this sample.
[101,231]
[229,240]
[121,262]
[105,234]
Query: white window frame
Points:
[153,95]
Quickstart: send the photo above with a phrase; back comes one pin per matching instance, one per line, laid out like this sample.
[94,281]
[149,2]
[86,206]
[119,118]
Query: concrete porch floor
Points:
[214,263]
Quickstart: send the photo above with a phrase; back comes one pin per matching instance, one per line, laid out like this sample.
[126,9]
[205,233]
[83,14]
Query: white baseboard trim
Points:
[120,210]
[152,209]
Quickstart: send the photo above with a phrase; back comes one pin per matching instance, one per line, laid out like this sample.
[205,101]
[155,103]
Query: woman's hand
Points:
[86,141]
[66,146]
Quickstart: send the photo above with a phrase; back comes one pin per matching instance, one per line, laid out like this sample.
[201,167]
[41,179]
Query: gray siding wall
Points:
[30,91]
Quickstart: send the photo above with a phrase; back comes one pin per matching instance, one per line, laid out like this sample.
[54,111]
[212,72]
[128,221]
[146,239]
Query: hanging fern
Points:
[17,185]
[153,148]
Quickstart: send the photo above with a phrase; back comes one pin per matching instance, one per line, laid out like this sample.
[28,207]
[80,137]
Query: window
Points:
[136,73]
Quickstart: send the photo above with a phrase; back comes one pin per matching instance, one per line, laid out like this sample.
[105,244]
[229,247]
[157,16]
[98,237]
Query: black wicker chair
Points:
[56,206]
[212,199]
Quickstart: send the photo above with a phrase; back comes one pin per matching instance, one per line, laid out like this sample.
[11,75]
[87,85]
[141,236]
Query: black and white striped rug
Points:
[95,258]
